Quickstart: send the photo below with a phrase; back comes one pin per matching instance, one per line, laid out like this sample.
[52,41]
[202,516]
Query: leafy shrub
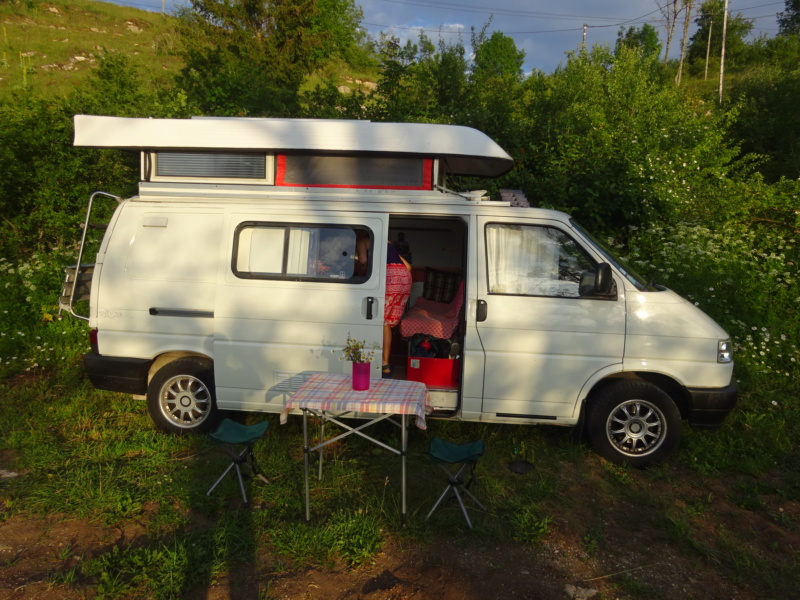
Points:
[746,279]
[31,335]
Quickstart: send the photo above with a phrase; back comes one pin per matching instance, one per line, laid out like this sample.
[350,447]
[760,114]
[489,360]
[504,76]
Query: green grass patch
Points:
[85,454]
[48,49]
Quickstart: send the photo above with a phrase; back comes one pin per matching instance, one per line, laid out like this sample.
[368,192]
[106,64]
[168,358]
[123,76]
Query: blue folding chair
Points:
[446,454]
[231,434]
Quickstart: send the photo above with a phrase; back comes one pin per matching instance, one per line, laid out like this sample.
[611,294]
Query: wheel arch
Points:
[672,388]
[168,357]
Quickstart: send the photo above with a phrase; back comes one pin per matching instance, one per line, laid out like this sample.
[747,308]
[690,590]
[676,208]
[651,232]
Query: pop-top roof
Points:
[465,151]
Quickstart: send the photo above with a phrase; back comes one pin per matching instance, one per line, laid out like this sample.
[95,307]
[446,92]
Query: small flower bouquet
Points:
[356,351]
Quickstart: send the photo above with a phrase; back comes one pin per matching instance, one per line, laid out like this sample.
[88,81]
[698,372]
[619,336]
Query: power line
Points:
[440,30]
[499,11]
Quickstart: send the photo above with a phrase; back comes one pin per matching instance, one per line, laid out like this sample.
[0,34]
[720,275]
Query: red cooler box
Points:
[436,373]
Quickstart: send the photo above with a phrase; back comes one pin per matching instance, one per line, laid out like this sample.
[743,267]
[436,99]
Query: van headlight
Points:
[724,351]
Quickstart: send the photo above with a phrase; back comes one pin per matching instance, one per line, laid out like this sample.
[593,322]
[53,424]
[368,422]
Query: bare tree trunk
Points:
[670,10]
[687,16]
[722,54]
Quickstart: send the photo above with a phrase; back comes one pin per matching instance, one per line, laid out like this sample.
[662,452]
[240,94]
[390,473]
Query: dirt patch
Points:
[33,549]
[645,538]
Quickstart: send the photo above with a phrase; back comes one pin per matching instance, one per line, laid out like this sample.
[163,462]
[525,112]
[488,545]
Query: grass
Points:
[45,54]
[95,456]
[48,49]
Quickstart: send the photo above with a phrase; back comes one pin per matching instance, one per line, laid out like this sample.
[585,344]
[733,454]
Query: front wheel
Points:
[180,397]
[634,422]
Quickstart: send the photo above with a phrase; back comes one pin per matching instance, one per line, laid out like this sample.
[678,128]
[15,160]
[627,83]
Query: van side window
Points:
[299,252]
[531,260]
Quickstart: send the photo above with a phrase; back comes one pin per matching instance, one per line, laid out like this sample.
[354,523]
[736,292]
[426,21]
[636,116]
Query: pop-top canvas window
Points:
[372,172]
[212,165]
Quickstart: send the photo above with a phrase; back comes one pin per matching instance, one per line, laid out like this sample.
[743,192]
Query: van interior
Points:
[427,344]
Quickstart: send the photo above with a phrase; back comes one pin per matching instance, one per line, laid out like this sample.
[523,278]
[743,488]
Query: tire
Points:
[181,397]
[634,422]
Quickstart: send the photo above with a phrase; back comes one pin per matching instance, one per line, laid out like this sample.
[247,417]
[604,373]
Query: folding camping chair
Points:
[231,434]
[446,454]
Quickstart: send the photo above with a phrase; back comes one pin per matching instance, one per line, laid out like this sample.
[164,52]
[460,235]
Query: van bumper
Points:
[117,374]
[710,406]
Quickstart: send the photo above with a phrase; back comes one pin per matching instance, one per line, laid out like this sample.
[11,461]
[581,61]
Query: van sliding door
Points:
[290,293]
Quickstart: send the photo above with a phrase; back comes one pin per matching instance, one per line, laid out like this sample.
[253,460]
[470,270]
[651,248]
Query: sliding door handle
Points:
[370,304]
[481,310]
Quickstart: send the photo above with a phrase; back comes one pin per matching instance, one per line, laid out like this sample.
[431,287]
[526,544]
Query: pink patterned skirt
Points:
[398,288]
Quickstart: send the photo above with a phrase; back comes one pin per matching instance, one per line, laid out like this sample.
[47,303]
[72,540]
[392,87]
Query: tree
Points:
[396,98]
[496,56]
[250,56]
[45,182]
[493,88]
[687,17]
[645,38]
[610,141]
[789,19]
[736,48]
[670,9]
[769,122]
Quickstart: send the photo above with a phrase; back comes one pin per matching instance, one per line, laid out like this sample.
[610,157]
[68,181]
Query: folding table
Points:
[330,397]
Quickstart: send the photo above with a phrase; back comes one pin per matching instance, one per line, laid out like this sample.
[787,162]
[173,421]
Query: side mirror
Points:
[604,281]
[599,282]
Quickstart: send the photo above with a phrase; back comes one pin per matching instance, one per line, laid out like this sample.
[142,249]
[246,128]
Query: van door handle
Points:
[370,303]
[481,310]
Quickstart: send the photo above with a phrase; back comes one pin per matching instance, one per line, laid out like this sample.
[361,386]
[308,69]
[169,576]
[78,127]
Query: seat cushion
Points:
[231,432]
[447,452]
[440,286]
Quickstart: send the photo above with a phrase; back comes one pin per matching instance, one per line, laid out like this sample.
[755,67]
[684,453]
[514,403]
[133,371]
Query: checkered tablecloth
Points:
[331,392]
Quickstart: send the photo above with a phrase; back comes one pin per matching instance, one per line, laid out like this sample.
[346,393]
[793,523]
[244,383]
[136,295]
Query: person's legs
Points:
[387,344]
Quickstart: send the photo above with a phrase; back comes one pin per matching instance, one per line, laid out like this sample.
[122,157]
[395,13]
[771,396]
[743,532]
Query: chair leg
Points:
[239,458]
[475,500]
[241,485]
[446,491]
[221,477]
[456,485]
[463,508]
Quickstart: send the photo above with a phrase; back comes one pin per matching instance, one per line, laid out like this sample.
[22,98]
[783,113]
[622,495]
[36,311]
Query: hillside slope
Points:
[49,48]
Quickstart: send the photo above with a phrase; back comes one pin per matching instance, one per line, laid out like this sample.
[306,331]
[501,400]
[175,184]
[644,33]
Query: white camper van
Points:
[232,274]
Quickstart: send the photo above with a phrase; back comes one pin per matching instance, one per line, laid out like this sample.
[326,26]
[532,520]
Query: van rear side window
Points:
[301,252]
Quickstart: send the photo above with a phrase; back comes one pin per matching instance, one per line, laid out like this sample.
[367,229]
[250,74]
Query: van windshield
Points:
[630,274]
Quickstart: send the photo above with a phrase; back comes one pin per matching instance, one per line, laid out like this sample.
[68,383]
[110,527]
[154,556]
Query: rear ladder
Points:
[78,281]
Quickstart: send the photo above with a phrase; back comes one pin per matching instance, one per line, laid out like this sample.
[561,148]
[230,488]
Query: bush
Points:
[32,337]
[745,278]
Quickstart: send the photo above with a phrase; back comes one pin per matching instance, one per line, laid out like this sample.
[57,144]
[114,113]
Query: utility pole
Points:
[722,55]
[708,47]
[584,34]
[162,6]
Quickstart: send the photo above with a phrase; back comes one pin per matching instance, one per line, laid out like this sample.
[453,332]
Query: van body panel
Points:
[539,349]
[266,328]
[158,264]
[669,335]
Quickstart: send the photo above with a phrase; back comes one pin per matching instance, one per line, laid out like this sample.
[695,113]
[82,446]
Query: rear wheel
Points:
[180,397]
[634,422]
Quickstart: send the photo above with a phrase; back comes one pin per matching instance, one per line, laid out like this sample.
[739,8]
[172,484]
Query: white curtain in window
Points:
[521,259]
[303,251]
[260,250]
